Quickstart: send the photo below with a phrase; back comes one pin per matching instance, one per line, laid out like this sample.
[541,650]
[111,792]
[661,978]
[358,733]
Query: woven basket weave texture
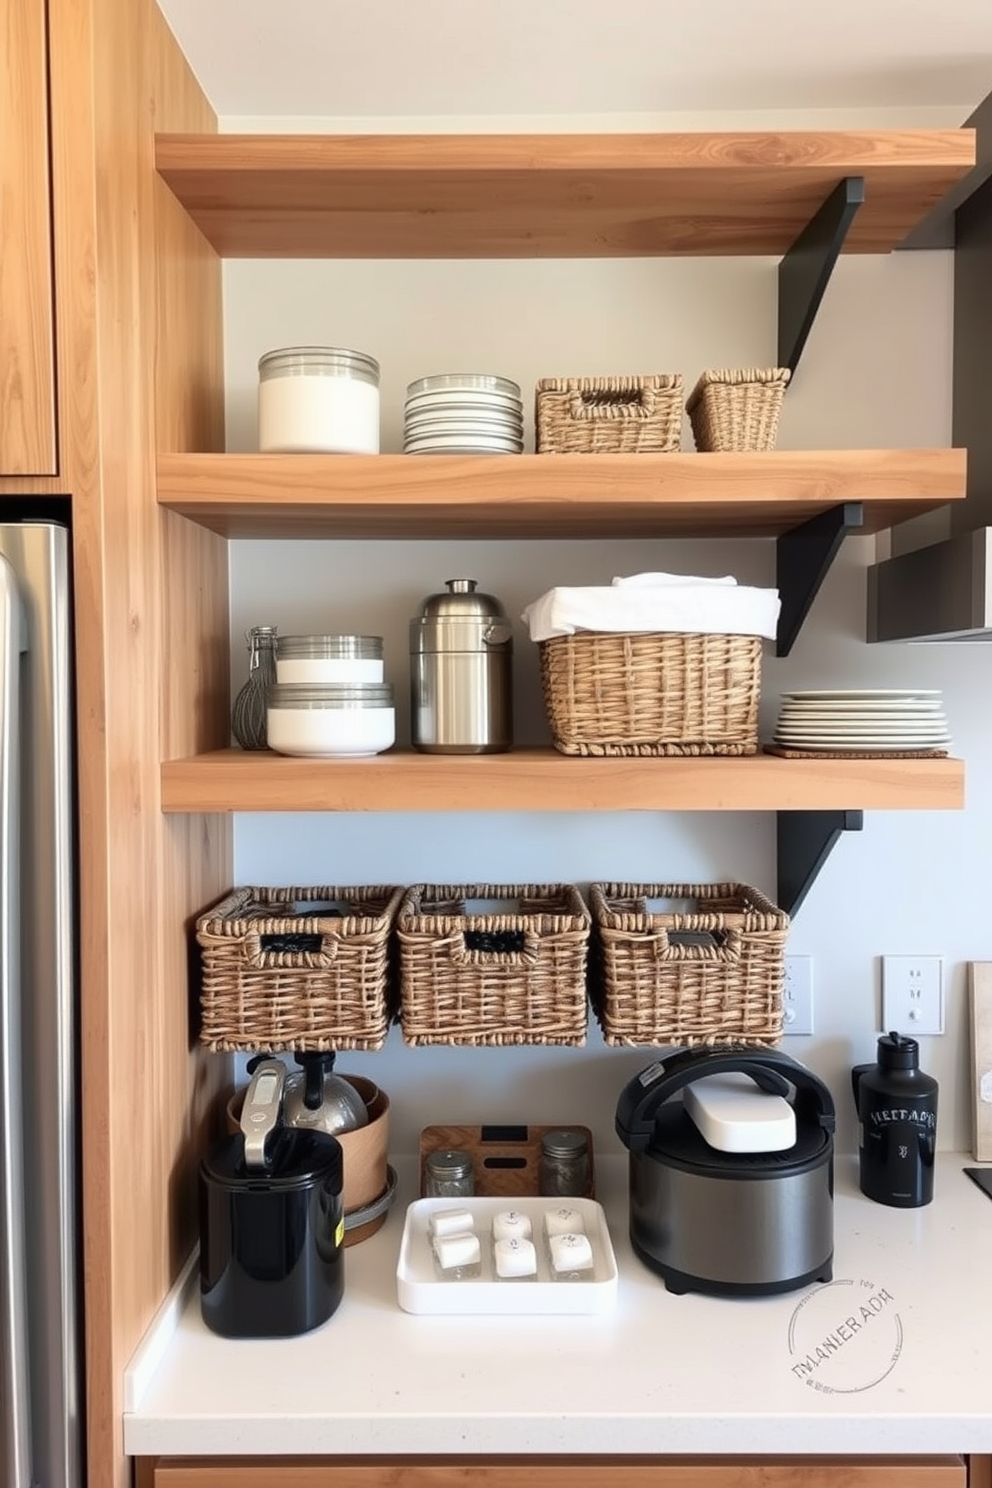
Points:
[608,415]
[298,968]
[712,975]
[654,693]
[737,408]
[493,975]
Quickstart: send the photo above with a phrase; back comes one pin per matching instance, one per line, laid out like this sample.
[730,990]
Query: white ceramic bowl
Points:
[326,722]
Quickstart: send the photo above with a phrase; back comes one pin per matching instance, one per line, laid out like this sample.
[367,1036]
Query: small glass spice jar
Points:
[563,1170]
[448,1174]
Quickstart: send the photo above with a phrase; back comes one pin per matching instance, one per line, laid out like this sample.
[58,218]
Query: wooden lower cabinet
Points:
[562,1472]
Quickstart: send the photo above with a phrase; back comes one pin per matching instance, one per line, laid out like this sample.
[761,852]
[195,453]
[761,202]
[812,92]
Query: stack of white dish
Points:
[463,413]
[863,721]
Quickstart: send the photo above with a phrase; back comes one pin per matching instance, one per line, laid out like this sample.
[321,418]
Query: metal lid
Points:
[564,1144]
[461,620]
[318,361]
[474,382]
[329,695]
[461,602]
[450,1163]
[350,647]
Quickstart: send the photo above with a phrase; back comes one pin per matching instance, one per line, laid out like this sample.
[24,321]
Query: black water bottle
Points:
[897,1114]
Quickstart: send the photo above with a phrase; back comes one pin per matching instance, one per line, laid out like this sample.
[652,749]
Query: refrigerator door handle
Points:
[15,1426]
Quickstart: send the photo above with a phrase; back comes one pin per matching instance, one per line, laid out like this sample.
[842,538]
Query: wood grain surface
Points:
[229,780]
[505,1166]
[504,196]
[682,495]
[27,369]
[557,1472]
[138,326]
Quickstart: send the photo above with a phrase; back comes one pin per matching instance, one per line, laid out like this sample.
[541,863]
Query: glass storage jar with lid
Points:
[449,1174]
[329,658]
[314,399]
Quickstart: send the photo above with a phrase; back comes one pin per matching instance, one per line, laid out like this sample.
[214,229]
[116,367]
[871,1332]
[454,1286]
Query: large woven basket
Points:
[652,693]
[608,415]
[737,408]
[493,964]
[707,971]
[298,968]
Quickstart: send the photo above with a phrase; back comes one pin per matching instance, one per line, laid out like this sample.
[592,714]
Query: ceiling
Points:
[367,58]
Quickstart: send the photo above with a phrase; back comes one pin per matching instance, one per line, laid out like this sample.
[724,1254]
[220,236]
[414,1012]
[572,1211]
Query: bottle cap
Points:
[898,1053]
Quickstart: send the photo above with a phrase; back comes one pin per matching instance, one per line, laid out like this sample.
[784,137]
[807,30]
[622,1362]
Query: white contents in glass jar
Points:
[571,1257]
[451,1222]
[511,1225]
[314,399]
[515,1259]
[457,1257]
[563,1221]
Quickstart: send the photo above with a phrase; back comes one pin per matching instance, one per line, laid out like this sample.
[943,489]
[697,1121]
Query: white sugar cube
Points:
[456,1252]
[510,1224]
[570,1253]
[515,1257]
[450,1222]
[563,1221]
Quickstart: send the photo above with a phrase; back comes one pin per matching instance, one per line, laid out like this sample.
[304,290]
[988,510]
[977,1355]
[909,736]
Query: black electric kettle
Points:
[730,1223]
[271,1221]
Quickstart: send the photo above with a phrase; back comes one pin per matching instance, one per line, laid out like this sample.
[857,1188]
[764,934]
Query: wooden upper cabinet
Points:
[27,383]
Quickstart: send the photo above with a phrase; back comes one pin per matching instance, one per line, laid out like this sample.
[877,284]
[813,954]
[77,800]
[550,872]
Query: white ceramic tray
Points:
[420,1289]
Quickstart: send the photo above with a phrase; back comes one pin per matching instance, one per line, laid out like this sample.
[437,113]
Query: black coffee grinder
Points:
[897,1115]
[271,1221]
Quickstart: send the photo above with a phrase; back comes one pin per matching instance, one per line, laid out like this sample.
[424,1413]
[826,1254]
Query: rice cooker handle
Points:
[771,1070]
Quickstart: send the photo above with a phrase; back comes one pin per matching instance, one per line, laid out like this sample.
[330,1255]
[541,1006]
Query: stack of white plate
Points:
[463,413]
[863,721]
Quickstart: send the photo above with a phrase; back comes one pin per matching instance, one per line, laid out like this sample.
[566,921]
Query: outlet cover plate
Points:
[913,995]
[797,996]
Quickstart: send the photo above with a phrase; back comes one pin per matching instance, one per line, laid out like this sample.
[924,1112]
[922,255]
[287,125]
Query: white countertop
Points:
[661,1374]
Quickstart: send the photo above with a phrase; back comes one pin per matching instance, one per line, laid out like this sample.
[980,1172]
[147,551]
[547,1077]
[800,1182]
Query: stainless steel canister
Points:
[461,660]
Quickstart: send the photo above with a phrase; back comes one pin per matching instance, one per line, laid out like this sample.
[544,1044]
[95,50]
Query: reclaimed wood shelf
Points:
[551,195]
[228,780]
[538,496]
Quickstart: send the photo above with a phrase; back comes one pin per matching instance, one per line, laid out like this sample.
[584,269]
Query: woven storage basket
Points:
[298,968]
[737,409]
[692,976]
[669,693]
[489,976]
[608,415]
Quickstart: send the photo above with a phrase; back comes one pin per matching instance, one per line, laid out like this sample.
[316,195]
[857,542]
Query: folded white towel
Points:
[694,609]
[666,580]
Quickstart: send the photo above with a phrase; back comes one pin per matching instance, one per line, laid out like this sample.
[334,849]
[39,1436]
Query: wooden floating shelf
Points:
[542,496]
[551,195]
[544,780]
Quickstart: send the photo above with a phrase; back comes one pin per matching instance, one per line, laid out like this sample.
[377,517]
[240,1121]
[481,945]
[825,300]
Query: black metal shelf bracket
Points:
[805,840]
[804,272]
[803,556]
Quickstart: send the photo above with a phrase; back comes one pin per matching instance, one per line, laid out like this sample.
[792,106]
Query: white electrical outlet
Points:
[912,995]
[797,995]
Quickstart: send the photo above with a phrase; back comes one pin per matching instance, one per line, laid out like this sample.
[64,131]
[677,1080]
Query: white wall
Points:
[876,373]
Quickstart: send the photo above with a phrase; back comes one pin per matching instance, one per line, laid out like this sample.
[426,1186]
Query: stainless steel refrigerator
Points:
[40,1379]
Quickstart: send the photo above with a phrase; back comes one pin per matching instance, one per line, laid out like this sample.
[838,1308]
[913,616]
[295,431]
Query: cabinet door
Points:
[27,386]
[553,1472]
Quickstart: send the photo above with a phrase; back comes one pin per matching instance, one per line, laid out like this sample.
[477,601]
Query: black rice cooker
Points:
[730,1223]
